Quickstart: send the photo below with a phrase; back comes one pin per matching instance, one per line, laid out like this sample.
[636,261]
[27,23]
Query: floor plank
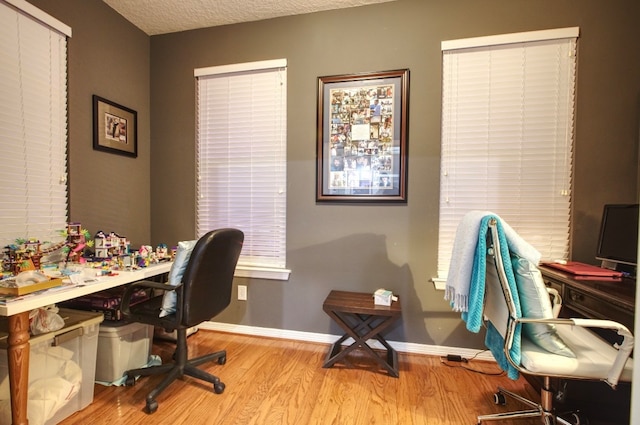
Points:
[274,382]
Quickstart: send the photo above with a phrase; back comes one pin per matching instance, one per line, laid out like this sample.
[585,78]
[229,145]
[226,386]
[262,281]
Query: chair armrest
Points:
[150,284]
[147,284]
[624,349]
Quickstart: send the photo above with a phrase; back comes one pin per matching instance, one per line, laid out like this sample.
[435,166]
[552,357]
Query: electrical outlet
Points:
[242,292]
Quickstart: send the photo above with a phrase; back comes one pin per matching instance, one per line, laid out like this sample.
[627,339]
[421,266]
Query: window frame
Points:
[39,143]
[449,217]
[266,256]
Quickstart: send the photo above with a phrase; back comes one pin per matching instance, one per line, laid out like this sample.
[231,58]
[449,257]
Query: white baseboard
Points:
[402,347]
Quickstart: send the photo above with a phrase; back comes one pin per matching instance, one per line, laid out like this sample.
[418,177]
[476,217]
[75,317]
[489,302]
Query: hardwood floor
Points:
[274,381]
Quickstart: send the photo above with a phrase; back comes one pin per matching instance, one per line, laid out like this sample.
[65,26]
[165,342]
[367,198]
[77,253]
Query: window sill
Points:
[262,273]
[439,283]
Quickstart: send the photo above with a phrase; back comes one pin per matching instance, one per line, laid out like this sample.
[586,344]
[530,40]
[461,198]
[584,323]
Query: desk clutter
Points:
[27,282]
[103,250]
[29,265]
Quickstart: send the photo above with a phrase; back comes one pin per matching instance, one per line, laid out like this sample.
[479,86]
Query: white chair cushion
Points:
[594,356]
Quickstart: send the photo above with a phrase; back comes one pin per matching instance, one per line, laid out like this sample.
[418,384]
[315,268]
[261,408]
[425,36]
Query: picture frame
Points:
[115,128]
[362,137]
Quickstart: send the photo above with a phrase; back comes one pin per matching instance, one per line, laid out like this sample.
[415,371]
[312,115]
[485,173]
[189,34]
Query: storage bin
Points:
[122,346]
[62,368]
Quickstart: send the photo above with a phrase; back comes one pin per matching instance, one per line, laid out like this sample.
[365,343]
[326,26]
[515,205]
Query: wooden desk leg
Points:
[18,353]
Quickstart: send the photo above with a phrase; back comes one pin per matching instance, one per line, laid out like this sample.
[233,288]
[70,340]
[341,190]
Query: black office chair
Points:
[205,291]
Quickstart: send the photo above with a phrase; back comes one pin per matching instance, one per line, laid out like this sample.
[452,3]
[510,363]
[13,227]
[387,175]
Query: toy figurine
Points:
[162,251]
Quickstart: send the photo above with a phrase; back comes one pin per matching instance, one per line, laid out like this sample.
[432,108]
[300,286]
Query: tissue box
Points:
[382,297]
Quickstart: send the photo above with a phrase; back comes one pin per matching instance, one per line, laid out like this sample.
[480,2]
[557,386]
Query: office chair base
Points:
[178,370]
[536,411]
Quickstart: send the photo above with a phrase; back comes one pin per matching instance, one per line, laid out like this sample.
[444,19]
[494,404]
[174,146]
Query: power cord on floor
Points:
[461,361]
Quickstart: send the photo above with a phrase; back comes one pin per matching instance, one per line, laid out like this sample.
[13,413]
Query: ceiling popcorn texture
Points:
[166,16]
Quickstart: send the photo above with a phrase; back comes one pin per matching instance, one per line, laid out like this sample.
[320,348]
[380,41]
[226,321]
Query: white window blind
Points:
[241,157]
[507,136]
[33,124]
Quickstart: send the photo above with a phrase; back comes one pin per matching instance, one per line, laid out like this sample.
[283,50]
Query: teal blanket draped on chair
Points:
[473,316]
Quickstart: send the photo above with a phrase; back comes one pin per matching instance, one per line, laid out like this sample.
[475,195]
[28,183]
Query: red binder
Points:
[582,269]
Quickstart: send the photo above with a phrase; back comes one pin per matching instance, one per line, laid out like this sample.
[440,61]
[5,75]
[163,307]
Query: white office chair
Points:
[520,351]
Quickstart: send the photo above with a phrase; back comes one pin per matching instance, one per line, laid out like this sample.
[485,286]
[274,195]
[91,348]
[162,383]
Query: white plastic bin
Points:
[60,363]
[122,346]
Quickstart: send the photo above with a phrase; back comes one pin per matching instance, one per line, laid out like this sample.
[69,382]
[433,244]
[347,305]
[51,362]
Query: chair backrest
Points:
[496,309]
[500,305]
[208,278]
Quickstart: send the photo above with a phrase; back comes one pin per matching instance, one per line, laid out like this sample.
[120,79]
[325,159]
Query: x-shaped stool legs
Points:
[362,327]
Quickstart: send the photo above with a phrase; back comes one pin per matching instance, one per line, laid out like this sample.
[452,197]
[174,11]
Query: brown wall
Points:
[353,247]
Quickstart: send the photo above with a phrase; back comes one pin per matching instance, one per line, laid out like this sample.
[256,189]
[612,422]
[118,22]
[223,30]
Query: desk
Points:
[594,299]
[18,338]
[362,320]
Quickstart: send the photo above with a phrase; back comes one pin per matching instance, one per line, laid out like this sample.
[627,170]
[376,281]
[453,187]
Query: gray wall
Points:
[358,247]
[352,247]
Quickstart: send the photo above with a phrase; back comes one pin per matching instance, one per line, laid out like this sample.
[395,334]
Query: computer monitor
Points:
[618,240]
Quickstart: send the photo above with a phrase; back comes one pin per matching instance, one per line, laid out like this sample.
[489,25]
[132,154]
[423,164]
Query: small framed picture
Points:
[114,128]
[362,137]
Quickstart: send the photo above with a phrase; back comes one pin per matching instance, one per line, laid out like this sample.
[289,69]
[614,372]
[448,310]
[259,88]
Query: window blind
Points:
[33,124]
[507,136]
[241,157]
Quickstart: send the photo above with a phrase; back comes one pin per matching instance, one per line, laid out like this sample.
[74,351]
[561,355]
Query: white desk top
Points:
[63,293]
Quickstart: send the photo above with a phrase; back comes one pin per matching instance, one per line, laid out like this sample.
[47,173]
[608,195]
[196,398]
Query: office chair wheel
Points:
[578,418]
[152,406]
[499,398]
[218,388]
[222,360]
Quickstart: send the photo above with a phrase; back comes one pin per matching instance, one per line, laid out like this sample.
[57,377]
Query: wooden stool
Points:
[362,320]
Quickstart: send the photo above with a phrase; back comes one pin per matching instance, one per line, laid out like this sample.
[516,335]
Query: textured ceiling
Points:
[166,16]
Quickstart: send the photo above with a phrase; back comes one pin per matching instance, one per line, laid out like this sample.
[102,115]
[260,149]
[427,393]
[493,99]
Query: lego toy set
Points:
[105,251]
